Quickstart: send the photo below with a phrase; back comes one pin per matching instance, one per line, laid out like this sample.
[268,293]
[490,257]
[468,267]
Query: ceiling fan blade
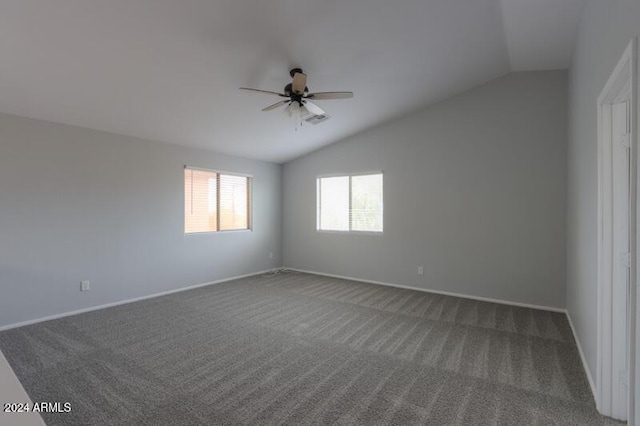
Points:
[299,82]
[274,106]
[330,95]
[264,91]
[313,108]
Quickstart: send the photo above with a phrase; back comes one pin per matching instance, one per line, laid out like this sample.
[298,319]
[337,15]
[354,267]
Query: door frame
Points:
[623,79]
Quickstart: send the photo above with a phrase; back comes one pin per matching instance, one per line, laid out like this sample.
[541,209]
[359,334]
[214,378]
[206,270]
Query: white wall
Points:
[605,31]
[475,190]
[11,390]
[80,204]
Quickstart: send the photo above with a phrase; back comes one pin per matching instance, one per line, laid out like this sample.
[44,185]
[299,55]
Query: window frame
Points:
[349,175]
[219,172]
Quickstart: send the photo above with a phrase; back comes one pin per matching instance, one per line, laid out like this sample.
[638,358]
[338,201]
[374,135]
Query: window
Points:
[350,203]
[216,201]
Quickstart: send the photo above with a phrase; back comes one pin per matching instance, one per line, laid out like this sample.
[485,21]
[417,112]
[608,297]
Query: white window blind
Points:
[216,201]
[350,203]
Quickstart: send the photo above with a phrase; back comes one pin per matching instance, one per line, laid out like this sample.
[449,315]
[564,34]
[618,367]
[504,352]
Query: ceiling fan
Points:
[298,99]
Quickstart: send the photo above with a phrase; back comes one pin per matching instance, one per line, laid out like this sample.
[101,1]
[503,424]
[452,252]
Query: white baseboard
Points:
[124,302]
[582,357]
[445,293]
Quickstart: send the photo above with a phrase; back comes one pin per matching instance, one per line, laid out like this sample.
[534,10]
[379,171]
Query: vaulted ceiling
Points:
[170,70]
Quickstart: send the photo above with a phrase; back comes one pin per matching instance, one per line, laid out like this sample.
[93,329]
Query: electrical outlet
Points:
[85,285]
[420,270]
[270,255]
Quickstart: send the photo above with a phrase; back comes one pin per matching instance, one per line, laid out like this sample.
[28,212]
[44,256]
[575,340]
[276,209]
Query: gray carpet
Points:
[305,349]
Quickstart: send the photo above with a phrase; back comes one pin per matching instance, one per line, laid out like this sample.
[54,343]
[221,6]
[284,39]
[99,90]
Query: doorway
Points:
[615,382]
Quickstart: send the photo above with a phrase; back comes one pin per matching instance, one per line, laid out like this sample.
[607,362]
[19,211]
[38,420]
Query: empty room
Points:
[381,212]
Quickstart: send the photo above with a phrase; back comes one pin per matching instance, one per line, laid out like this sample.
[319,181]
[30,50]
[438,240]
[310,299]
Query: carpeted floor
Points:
[304,349]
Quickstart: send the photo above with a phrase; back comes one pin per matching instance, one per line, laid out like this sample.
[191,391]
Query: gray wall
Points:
[605,31]
[79,204]
[475,190]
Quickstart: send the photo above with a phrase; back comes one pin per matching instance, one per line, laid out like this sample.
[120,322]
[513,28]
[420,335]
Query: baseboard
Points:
[124,302]
[425,290]
[582,357]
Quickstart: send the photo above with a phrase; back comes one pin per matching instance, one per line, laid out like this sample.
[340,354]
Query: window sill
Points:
[188,234]
[327,231]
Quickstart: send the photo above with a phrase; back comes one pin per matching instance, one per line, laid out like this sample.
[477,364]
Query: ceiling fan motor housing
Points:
[288,90]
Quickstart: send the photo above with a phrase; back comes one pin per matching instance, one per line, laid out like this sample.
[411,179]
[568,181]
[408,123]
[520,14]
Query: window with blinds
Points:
[215,201]
[350,203]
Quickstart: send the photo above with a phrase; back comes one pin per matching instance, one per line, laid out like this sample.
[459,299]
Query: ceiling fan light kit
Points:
[298,99]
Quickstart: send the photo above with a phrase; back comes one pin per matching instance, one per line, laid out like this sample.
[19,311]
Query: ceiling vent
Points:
[316,119]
